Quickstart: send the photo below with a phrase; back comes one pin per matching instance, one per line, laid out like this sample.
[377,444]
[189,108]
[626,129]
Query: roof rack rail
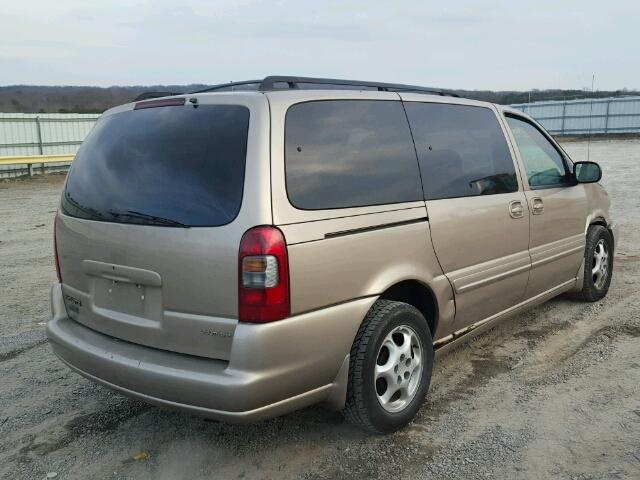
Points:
[283,82]
[148,95]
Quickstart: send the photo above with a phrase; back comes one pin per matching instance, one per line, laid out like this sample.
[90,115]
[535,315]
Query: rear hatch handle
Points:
[122,273]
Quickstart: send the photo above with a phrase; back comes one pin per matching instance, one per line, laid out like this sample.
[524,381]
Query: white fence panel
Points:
[584,116]
[41,134]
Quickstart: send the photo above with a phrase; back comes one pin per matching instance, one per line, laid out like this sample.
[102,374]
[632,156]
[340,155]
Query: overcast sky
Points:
[455,44]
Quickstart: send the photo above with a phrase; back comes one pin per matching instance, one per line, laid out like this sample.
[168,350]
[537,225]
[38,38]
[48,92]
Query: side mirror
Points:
[587,172]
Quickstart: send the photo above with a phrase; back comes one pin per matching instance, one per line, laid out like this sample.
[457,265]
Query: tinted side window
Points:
[349,153]
[462,151]
[542,162]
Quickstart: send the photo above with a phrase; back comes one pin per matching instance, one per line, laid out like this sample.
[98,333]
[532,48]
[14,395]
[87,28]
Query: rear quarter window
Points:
[349,153]
[165,166]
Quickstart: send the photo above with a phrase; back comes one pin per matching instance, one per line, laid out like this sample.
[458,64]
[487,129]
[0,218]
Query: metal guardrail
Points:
[31,160]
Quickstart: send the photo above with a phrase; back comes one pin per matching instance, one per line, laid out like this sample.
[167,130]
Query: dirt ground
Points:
[553,393]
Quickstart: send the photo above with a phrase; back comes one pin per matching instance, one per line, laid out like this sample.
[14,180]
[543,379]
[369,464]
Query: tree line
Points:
[68,99]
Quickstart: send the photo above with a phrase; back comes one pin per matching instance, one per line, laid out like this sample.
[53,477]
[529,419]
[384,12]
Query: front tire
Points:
[390,367]
[598,264]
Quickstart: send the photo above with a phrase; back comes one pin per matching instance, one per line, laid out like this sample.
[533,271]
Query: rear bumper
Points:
[273,369]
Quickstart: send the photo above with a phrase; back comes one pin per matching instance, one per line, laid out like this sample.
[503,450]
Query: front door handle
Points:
[537,206]
[516,210]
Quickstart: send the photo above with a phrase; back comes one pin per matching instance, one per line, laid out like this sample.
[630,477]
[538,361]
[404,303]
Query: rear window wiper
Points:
[90,213]
[151,219]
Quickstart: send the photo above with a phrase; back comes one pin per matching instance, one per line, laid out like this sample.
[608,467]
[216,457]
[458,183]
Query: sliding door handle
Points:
[516,209]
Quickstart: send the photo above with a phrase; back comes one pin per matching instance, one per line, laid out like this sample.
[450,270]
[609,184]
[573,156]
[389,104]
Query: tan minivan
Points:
[262,246]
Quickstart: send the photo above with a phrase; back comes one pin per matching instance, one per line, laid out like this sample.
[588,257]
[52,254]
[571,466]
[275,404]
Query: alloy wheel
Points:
[600,269]
[398,368]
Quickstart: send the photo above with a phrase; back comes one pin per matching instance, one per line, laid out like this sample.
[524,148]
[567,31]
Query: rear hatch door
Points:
[150,222]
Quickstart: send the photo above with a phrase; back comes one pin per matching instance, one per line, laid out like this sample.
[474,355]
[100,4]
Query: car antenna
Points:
[593,79]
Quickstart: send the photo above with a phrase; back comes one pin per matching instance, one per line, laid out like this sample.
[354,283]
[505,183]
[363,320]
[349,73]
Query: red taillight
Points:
[55,248]
[263,276]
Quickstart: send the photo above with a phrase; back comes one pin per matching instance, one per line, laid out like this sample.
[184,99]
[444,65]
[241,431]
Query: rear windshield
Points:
[174,166]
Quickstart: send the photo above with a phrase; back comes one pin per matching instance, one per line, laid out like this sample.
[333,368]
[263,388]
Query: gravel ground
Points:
[553,393]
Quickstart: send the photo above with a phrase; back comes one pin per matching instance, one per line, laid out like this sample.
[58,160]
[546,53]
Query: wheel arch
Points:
[420,296]
[599,220]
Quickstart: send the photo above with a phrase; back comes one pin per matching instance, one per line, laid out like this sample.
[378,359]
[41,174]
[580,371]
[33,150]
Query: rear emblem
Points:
[73,303]
[213,333]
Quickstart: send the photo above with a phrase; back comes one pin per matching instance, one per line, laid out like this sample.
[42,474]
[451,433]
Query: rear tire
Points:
[389,368]
[598,264]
